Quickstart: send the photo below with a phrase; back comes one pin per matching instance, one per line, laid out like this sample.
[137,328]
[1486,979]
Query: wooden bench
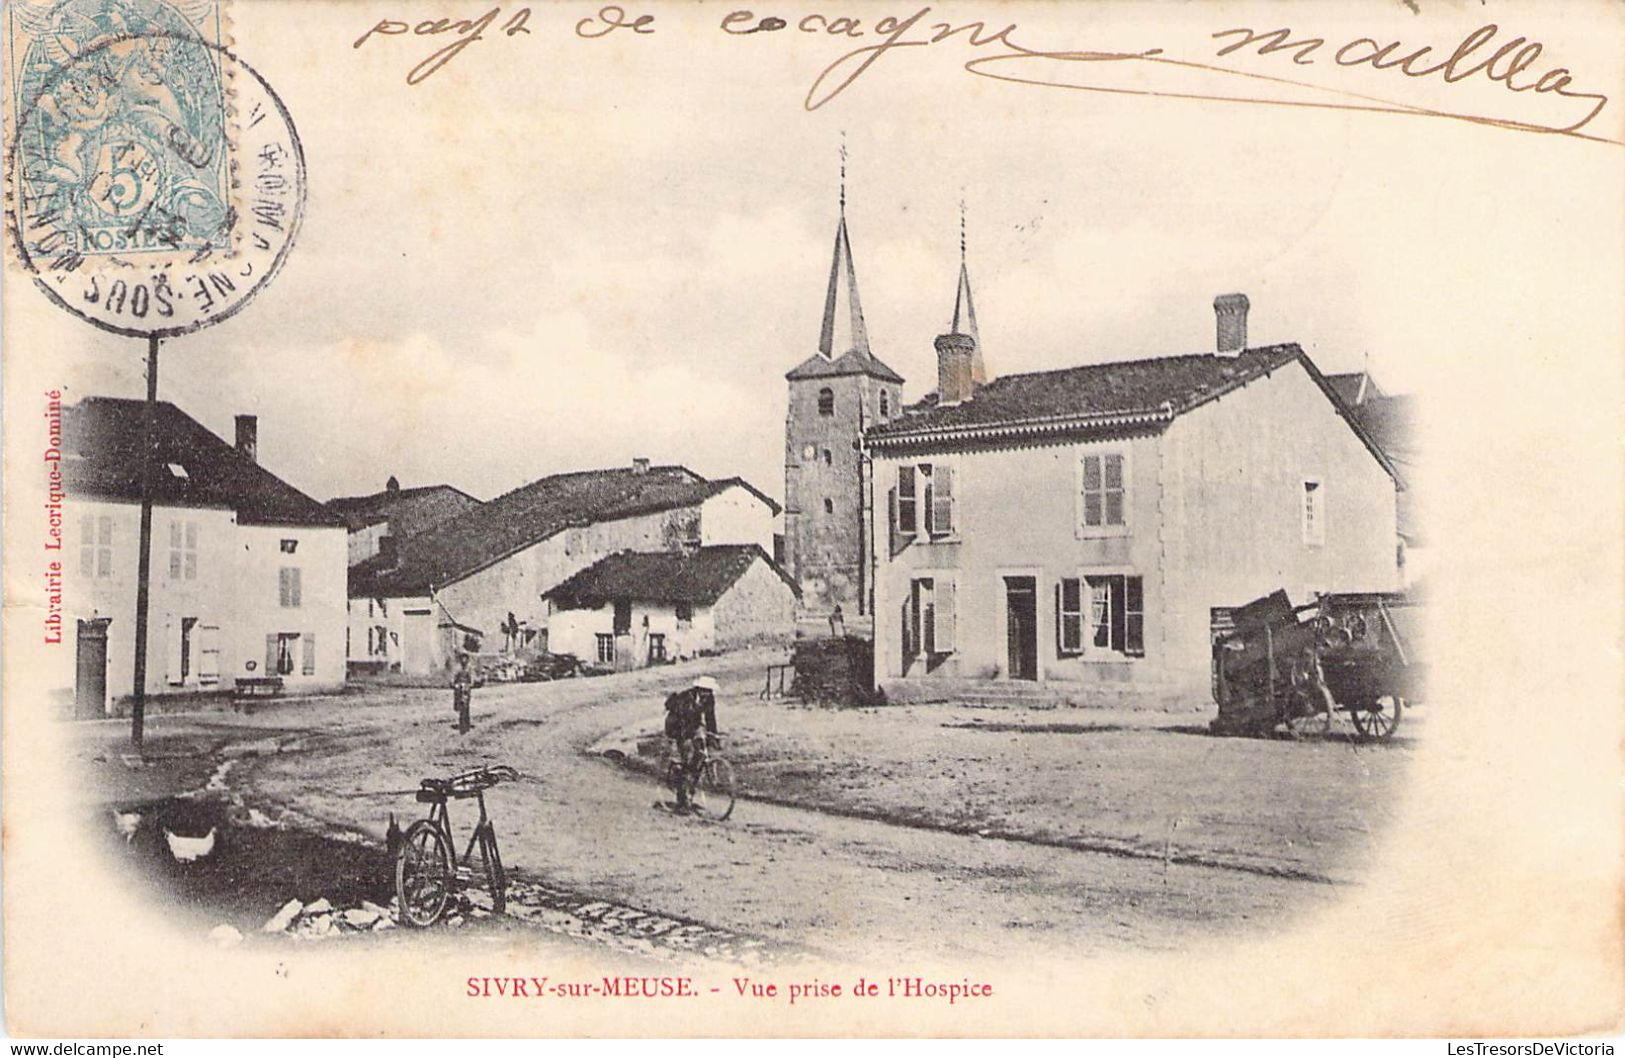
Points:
[246,688]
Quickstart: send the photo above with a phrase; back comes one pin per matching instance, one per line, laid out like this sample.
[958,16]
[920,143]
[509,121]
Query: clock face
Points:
[809,453]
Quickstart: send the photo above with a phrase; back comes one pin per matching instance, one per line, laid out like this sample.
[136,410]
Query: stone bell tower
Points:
[835,394]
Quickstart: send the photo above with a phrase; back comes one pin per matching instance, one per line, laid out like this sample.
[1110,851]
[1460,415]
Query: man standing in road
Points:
[691,714]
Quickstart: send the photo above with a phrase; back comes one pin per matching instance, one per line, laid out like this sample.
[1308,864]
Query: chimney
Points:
[956,355]
[640,465]
[393,484]
[248,437]
[387,552]
[1230,311]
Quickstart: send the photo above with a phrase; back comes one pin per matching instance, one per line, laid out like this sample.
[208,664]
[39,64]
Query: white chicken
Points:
[189,850]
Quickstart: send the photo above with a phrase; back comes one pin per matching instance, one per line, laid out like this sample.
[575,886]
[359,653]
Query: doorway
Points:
[1021,626]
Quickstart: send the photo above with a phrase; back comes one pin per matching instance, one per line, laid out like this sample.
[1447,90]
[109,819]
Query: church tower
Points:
[835,394]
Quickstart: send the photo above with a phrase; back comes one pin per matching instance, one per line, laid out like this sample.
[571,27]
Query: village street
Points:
[940,832]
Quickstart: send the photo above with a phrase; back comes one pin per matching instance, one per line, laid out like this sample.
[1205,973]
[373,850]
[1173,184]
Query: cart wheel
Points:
[423,874]
[1379,720]
[495,877]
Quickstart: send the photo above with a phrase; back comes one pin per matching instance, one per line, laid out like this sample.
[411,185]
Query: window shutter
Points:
[270,654]
[906,509]
[104,546]
[1134,617]
[1060,630]
[308,661]
[208,658]
[942,505]
[172,652]
[891,523]
[1069,615]
[945,617]
[87,546]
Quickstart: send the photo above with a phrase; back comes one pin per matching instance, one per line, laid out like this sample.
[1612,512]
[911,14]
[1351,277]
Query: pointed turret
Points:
[965,308]
[843,329]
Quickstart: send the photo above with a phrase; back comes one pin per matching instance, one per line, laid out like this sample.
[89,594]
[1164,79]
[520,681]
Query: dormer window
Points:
[826,401]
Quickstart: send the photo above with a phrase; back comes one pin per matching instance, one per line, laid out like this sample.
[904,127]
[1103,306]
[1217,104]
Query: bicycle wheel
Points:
[423,874]
[495,876]
[715,793]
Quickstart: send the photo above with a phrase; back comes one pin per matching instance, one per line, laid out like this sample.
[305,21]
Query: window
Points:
[279,648]
[1314,514]
[685,615]
[182,550]
[1069,617]
[826,401]
[289,546]
[623,617]
[96,545]
[1116,614]
[829,505]
[1102,493]
[927,488]
[885,405]
[928,623]
[907,504]
[288,588]
[657,647]
[606,648]
[829,457]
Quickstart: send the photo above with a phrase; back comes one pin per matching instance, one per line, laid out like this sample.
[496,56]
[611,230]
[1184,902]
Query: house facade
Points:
[1084,528]
[634,609]
[247,572]
[379,520]
[477,581]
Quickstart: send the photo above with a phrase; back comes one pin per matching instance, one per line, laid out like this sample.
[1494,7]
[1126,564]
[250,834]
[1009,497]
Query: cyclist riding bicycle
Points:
[691,715]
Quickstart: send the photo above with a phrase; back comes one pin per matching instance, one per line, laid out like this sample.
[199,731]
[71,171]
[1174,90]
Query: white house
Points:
[633,608]
[1084,528]
[477,581]
[247,576]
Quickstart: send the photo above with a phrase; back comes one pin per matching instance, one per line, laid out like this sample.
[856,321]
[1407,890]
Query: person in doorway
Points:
[691,725]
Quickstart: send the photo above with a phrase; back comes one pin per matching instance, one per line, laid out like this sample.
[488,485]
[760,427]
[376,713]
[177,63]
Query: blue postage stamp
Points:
[120,115]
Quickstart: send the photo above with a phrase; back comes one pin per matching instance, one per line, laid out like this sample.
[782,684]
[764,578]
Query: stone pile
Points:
[319,919]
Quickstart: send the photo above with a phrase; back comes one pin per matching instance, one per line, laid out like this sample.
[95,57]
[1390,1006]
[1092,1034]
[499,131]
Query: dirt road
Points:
[580,831]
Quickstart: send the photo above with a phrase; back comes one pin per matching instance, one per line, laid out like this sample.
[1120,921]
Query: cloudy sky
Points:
[557,253]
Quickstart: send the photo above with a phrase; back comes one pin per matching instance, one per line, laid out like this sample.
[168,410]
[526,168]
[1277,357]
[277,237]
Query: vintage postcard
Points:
[771,518]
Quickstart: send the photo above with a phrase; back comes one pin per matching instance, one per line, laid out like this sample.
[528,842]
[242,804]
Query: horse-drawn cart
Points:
[1343,653]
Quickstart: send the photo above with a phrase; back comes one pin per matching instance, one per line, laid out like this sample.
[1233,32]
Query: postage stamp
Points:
[126,131]
[155,181]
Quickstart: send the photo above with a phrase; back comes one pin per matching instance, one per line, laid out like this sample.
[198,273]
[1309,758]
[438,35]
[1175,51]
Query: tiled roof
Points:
[1127,394]
[701,576]
[1149,391]
[408,511]
[488,533]
[101,443]
[854,362]
[1355,387]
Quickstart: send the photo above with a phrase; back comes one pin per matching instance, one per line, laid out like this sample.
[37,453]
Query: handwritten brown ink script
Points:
[1260,64]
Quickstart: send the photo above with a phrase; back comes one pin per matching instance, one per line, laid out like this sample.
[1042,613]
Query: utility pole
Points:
[143,586]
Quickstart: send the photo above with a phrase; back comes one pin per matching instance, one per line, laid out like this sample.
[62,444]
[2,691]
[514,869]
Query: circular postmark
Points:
[157,181]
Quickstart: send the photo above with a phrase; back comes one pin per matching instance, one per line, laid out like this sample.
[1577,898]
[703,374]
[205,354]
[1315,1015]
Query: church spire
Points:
[843,329]
[965,308]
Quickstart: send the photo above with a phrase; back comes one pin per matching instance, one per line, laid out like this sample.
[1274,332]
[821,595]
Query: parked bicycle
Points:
[428,872]
[710,781]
